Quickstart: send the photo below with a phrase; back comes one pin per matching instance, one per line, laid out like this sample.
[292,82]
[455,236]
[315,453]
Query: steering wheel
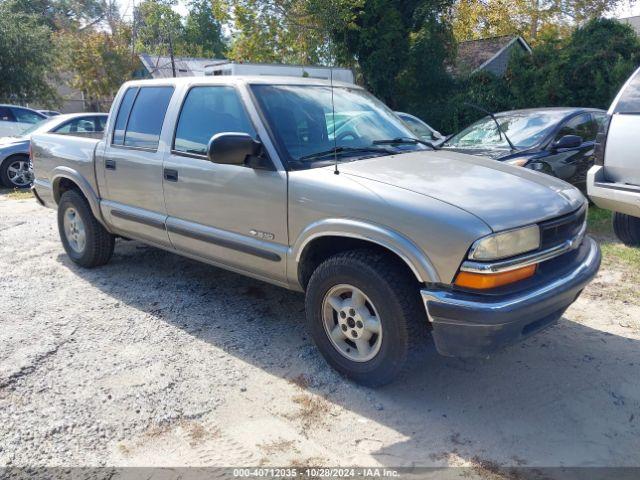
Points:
[345,135]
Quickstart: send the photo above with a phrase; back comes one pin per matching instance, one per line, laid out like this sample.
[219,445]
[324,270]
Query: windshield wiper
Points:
[493,117]
[404,141]
[347,150]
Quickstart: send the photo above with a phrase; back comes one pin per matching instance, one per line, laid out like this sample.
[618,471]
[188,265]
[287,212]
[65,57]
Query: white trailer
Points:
[311,71]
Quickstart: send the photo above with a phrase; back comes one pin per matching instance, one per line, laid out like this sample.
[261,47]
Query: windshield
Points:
[40,126]
[524,129]
[305,124]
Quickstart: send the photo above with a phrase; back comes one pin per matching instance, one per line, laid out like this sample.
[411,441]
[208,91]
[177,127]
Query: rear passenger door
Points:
[232,215]
[622,155]
[132,165]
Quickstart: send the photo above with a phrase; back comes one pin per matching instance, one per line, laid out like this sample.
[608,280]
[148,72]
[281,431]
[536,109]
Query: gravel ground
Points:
[158,360]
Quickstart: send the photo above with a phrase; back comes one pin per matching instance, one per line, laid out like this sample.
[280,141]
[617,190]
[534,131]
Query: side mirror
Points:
[232,148]
[566,142]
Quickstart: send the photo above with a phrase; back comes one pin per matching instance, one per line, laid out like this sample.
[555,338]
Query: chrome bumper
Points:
[468,324]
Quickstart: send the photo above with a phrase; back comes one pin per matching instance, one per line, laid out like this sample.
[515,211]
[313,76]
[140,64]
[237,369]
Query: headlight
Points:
[506,244]
[518,162]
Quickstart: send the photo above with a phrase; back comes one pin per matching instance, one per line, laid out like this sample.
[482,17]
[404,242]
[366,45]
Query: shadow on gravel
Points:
[569,396]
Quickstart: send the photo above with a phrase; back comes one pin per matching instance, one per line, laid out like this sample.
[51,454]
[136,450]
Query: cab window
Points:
[207,111]
[82,125]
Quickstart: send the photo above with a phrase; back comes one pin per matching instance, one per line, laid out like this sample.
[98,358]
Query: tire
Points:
[8,178]
[391,296]
[92,248]
[627,229]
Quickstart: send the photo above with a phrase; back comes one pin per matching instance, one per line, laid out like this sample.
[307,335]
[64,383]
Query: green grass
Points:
[599,225]
[16,194]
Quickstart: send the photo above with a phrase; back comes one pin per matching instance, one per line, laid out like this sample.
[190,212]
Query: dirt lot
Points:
[158,360]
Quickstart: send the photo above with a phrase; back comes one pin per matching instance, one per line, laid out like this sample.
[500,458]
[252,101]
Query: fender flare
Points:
[417,260]
[85,187]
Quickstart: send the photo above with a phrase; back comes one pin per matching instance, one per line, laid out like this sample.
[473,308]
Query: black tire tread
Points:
[381,267]
[100,243]
[627,229]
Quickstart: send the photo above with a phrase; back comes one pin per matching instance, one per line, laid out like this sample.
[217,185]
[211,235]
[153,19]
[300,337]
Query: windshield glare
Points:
[523,129]
[305,124]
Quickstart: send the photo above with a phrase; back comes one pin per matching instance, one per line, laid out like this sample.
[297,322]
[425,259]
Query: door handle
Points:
[170,175]
[110,164]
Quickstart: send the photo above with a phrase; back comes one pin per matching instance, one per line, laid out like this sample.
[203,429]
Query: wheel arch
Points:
[65,178]
[328,237]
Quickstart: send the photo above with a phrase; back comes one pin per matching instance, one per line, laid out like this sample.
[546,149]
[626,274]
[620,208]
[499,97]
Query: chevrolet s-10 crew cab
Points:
[321,188]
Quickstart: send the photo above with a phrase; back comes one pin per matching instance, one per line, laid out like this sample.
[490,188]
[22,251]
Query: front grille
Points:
[558,230]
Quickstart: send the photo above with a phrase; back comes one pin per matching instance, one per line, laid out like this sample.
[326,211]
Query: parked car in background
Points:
[614,181]
[14,119]
[421,129]
[14,150]
[390,239]
[49,113]
[556,141]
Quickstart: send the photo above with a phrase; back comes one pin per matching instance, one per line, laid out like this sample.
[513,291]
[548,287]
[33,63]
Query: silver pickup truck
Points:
[321,188]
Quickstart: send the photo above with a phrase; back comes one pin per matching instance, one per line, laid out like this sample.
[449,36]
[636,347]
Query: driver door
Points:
[231,215]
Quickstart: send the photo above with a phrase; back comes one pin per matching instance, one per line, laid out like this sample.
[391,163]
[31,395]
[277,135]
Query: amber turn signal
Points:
[485,281]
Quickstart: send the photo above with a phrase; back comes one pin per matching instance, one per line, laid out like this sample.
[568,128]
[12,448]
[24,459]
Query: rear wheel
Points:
[627,229]
[364,312]
[15,173]
[84,239]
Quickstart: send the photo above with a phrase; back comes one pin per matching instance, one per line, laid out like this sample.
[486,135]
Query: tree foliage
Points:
[26,59]
[96,63]
[533,19]
[586,69]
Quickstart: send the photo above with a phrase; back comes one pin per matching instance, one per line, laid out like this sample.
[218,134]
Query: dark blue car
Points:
[556,141]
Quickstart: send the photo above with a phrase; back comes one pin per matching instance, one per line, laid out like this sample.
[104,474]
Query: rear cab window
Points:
[140,117]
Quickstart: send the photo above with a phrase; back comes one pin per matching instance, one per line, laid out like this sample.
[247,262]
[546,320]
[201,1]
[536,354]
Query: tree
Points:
[98,62]
[26,59]
[203,31]
[65,14]
[533,19]
[159,29]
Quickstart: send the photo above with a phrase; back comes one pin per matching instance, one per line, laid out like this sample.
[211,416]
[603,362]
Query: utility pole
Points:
[173,63]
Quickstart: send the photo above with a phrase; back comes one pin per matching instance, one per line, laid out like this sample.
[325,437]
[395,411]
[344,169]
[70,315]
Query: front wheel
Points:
[364,312]
[627,229]
[84,239]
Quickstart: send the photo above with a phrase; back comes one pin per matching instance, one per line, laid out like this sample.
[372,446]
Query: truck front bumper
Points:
[468,324]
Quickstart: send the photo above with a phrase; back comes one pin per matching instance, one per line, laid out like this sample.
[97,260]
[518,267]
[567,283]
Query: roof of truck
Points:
[241,79]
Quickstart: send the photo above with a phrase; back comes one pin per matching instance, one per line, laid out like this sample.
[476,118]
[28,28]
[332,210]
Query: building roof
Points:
[474,55]
[634,22]
[160,66]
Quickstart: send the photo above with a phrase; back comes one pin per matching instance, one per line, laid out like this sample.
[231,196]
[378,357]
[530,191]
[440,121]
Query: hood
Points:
[502,196]
[10,140]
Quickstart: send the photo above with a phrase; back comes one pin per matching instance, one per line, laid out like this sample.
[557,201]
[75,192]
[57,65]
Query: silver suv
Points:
[323,189]
[614,182]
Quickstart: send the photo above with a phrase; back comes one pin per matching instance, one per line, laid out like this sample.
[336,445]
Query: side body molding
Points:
[409,252]
[89,192]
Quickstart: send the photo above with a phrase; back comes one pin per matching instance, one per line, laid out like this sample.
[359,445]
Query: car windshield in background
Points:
[37,127]
[524,129]
[310,129]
